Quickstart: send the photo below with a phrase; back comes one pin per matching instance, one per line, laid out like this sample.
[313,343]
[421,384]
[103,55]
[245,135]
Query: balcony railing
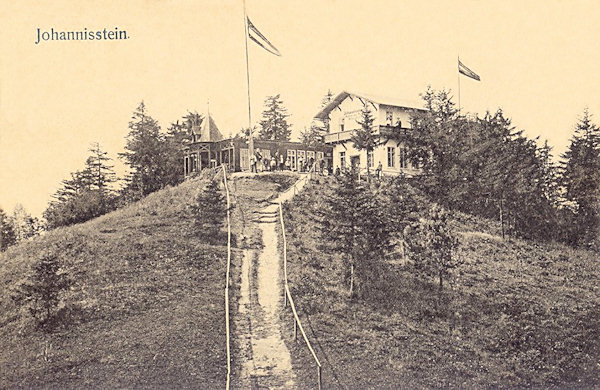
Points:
[384,131]
[338,137]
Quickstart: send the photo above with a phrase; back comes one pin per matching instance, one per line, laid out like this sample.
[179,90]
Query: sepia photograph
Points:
[315,194]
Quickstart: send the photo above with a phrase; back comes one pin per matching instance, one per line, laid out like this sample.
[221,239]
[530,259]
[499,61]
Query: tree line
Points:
[486,167]
[154,159]
[481,166]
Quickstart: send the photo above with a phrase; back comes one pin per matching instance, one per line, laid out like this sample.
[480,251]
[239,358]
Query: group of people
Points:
[279,162]
[356,169]
[276,162]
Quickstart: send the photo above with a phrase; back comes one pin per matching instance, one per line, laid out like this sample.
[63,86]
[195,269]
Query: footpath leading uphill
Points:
[265,360]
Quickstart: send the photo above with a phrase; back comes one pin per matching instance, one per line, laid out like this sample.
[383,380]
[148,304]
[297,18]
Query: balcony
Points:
[341,136]
[392,132]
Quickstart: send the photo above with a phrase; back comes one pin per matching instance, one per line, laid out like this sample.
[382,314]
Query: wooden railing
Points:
[227,278]
[287,296]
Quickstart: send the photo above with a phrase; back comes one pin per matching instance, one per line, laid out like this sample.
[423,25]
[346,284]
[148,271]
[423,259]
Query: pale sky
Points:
[538,61]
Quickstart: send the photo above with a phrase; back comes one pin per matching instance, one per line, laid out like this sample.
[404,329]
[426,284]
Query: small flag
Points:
[260,39]
[467,72]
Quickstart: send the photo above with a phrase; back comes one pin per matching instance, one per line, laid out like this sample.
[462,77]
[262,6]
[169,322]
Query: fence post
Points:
[295,330]
[319,376]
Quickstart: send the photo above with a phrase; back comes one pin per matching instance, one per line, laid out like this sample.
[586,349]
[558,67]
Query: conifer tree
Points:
[25,226]
[209,210]
[41,293]
[145,152]
[102,173]
[178,136]
[354,224]
[86,195]
[431,245]
[274,125]
[365,138]
[7,232]
[313,136]
[580,176]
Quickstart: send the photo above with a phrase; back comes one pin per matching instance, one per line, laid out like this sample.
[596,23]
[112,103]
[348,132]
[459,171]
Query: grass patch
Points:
[145,310]
[518,314]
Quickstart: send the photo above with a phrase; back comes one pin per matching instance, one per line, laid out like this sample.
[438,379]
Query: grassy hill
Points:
[517,314]
[146,306]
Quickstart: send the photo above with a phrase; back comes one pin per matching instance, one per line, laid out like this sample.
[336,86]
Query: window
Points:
[389,116]
[310,154]
[371,159]
[403,160]
[342,160]
[301,159]
[391,156]
[319,156]
[292,156]
[195,162]
[244,160]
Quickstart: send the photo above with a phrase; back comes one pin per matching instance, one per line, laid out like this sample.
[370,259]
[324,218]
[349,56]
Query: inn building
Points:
[341,118]
[208,148]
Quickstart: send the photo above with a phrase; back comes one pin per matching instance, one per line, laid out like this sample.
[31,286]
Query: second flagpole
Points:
[250,135]
[458,75]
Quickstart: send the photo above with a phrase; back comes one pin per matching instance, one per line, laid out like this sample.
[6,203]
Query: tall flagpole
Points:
[251,136]
[458,74]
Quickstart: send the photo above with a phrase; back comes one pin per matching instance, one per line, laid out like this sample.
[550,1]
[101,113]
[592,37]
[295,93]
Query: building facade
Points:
[209,149]
[342,116]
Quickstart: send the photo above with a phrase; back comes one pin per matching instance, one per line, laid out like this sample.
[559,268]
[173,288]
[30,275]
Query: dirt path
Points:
[265,359]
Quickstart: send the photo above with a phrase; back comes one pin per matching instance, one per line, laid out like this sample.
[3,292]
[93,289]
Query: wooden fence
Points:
[227,279]
[287,296]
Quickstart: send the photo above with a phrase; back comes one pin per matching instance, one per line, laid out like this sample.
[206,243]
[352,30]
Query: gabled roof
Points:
[209,131]
[386,101]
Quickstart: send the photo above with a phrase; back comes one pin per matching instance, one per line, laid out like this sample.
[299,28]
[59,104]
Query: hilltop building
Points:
[208,148]
[342,116]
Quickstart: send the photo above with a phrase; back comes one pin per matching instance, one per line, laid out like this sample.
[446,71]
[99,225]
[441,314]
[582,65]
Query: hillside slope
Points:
[146,307]
[517,314]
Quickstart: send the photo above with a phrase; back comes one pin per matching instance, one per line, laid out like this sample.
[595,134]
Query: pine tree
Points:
[178,136]
[25,226]
[274,125]
[101,176]
[431,245]
[145,152]
[580,176]
[102,173]
[403,204]
[209,210]
[365,138]
[433,144]
[354,224]
[86,195]
[41,293]
[313,136]
[7,232]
